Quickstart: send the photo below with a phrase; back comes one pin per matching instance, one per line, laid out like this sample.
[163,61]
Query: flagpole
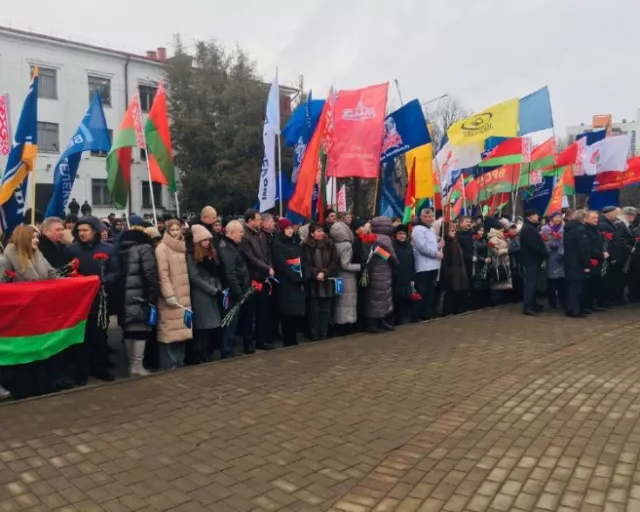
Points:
[279,150]
[33,196]
[153,201]
[175,194]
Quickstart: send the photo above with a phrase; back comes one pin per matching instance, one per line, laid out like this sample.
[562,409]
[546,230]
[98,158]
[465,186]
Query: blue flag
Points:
[535,112]
[537,197]
[91,135]
[391,192]
[584,184]
[404,130]
[604,198]
[303,119]
[21,161]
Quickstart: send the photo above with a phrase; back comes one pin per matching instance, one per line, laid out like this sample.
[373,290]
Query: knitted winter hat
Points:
[200,233]
[283,223]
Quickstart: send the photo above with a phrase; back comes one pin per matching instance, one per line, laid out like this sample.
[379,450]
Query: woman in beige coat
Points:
[174,297]
[500,268]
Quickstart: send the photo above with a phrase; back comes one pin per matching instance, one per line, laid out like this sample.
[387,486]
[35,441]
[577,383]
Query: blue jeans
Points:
[171,355]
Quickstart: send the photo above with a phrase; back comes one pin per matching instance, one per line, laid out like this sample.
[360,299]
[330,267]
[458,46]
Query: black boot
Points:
[386,326]
[373,326]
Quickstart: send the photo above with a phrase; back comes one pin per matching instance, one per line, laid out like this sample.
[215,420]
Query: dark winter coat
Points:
[533,251]
[596,245]
[608,229]
[55,254]
[235,271]
[404,272]
[138,283]
[205,287]
[466,243]
[453,272]
[255,248]
[379,294]
[576,251]
[623,242]
[319,256]
[481,252]
[291,297]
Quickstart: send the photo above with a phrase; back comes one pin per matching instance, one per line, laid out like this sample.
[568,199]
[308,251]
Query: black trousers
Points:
[574,300]
[201,348]
[556,292]
[91,356]
[618,281]
[255,319]
[531,275]
[290,327]
[425,283]
[319,318]
[402,310]
[455,302]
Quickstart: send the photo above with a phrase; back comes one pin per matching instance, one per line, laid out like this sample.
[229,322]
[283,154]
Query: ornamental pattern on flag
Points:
[5,143]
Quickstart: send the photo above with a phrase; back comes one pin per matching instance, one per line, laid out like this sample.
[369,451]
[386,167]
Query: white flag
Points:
[267,187]
[453,158]
[329,194]
[609,154]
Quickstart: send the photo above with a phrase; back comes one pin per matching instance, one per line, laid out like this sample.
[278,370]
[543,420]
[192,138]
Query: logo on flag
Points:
[5,143]
[479,123]
[359,113]
[392,138]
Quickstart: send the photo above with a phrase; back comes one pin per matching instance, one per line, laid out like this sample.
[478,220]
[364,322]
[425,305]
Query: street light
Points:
[445,95]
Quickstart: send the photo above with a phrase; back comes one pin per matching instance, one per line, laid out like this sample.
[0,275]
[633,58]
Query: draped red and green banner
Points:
[410,196]
[511,151]
[39,319]
[158,139]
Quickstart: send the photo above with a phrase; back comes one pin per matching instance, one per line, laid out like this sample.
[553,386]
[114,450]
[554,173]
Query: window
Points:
[100,193]
[48,139]
[143,155]
[102,86]
[47,83]
[147,94]
[157,194]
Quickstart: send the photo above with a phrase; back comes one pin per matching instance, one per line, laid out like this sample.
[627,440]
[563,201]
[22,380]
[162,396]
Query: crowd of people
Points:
[183,290]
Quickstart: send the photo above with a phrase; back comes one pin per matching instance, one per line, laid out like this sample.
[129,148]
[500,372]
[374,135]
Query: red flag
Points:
[358,132]
[159,141]
[613,180]
[310,166]
[564,184]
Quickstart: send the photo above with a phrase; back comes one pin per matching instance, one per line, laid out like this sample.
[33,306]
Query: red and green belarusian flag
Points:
[158,140]
[39,319]
[119,158]
[511,151]
[410,196]
[565,186]
[501,180]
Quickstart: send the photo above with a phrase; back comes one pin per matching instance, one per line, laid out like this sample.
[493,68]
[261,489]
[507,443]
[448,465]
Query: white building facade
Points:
[69,74]
[631,127]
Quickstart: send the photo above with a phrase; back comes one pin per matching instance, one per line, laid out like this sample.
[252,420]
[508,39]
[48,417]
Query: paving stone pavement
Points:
[490,411]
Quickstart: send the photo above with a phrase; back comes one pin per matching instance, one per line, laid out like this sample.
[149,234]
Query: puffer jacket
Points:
[138,280]
[234,269]
[206,288]
[379,293]
[345,305]
[174,282]
[291,297]
[553,239]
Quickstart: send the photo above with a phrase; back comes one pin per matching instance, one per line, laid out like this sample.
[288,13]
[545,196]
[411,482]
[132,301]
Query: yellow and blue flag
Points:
[21,161]
[501,120]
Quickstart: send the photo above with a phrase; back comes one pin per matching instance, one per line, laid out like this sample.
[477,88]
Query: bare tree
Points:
[442,114]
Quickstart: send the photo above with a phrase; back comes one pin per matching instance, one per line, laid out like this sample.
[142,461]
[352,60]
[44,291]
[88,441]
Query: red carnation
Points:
[545,238]
[415,297]
[100,256]
[492,245]
[10,274]
[594,262]
[557,236]
[256,285]
[608,236]
[75,264]
[476,237]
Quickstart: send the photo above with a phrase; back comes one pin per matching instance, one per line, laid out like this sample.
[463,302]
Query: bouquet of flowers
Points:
[68,270]
[8,276]
[228,318]
[608,237]
[103,314]
[556,235]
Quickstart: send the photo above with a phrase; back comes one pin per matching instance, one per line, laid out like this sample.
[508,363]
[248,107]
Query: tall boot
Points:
[137,369]
[373,326]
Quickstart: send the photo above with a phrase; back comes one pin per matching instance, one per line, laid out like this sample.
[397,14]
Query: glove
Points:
[172,301]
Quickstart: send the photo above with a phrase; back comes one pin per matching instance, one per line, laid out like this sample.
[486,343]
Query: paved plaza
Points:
[490,411]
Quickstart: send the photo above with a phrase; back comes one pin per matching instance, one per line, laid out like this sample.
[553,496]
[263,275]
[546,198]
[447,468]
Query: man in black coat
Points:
[236,279]
[594,294]
[623,242]
[465,241]
[577,264]
[51,246]
[533,252]
[403,275]
[92,356]
[257,253]
[606,225]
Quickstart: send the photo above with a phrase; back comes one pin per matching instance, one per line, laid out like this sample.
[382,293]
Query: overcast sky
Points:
[478,51]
